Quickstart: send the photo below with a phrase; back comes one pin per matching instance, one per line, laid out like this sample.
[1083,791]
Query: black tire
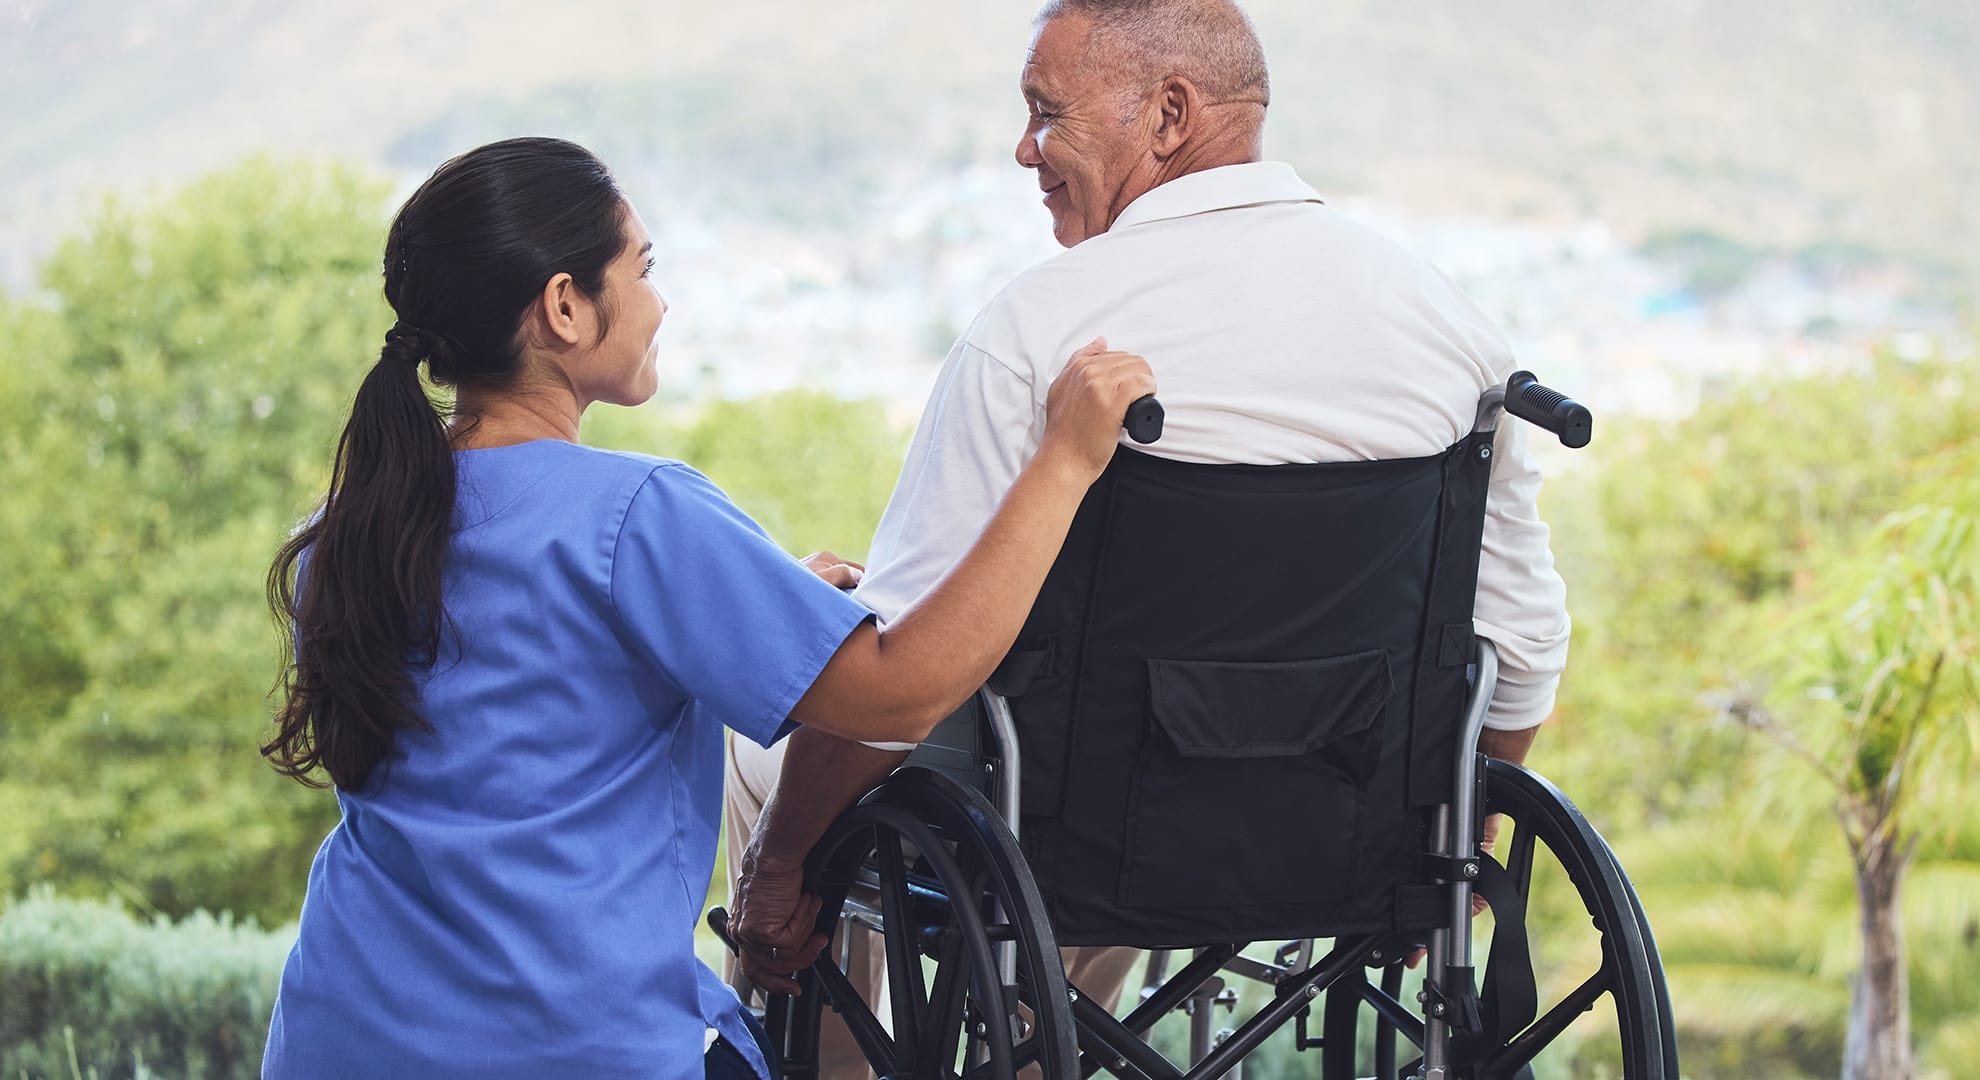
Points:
[1631,974]
[918,841]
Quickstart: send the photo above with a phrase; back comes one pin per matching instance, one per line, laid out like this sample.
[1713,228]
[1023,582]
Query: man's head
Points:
[1126,95]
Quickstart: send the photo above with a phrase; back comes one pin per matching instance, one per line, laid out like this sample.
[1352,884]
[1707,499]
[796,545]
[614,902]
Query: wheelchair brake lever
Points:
[1144,419]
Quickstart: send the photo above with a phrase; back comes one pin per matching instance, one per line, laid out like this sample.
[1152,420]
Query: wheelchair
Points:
[1306,772]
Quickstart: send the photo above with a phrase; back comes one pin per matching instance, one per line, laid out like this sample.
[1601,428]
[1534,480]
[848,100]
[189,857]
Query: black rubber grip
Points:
[1551,409]
[1144,419]
[718,921]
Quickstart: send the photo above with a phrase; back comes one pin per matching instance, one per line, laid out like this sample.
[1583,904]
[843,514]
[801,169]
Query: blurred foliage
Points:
[87,990]
[1703,556]
[1678,530]
[166,417]
[172,409]
[813,469]
[170,395]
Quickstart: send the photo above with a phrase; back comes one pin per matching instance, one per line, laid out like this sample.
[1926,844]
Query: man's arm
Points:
[980,425]
[1522,603]
[1507,745]
[822,776]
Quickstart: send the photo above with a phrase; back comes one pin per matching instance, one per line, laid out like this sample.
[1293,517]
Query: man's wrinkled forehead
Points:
[1051,59]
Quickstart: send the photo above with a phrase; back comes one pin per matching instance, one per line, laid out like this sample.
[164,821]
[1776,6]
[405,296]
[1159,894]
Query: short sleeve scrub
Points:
[514,893]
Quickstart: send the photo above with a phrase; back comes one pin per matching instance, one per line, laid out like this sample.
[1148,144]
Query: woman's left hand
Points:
[837,572]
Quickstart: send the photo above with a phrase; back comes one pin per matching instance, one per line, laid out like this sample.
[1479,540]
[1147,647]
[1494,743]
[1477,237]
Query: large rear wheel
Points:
[974,986]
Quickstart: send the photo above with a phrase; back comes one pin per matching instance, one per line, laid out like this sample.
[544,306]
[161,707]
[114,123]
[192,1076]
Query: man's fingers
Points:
[809,954]
[835,571]
[844,575]
[1092,348]
[775,969]
[766,978]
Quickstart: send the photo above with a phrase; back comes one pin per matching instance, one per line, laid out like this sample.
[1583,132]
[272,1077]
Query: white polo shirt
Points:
[1279,331]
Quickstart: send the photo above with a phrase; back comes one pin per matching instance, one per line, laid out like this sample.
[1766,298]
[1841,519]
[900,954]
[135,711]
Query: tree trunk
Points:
[1878,1046]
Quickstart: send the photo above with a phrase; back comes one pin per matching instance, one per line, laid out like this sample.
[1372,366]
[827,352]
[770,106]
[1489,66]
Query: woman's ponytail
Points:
[365,611]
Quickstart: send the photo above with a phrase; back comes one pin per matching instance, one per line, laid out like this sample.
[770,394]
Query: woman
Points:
[514,655]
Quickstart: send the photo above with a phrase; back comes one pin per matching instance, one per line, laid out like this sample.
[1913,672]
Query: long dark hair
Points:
[466,256]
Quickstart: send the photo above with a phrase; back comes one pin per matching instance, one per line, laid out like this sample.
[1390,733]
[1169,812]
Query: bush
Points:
[87,990]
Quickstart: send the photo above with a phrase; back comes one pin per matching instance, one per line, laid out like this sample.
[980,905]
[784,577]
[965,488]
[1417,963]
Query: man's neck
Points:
[1239,149]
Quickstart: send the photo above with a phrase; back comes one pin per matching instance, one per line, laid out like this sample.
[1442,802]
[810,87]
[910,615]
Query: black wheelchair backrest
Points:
[1237,689]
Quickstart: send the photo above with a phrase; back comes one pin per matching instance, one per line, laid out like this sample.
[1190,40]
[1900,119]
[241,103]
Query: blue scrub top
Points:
[514,894]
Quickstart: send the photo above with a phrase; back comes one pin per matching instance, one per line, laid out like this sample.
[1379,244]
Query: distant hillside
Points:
[1824,122]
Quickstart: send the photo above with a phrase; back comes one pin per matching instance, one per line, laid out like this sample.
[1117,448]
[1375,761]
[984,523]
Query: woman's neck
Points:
[487,418]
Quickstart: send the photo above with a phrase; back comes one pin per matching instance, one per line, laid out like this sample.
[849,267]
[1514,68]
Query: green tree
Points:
[1684,545]
[1882,701]
[176,398]
[1678,528]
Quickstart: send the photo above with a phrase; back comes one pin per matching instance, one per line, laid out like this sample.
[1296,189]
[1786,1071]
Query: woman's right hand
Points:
[1088,401]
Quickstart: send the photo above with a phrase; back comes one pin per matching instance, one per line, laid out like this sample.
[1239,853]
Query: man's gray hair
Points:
[1212,43]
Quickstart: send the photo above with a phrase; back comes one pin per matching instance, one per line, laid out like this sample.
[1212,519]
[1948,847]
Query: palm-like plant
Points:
[1880,700]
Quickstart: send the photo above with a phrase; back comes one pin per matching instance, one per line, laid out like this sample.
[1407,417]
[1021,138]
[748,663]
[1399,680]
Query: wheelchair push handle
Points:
[718,921]
[1144,419]
[1527,399]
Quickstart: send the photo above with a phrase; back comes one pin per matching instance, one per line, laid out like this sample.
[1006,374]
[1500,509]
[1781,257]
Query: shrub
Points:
[88,989]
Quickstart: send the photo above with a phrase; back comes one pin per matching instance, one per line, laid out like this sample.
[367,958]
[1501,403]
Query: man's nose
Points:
[1027,151]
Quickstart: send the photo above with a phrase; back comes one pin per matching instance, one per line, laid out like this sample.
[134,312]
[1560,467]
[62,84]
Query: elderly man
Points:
[1281,332]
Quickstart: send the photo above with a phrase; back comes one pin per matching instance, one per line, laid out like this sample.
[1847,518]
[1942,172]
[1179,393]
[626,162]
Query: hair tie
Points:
[405,333]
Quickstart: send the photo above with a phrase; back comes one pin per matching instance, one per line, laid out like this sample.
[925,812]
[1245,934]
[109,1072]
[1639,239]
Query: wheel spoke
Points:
[942,1033]
[866,1031]
[1519,861]
[1545,1030]
[905,988]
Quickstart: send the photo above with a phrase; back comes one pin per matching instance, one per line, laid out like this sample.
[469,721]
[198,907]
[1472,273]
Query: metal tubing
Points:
[1490,404]
[1295,993]
[1171,993]
[1005,729]
[1456,825]
[1393,1015]
[1010,769]
[1131,1056]
[1464,804]
[1202,1010]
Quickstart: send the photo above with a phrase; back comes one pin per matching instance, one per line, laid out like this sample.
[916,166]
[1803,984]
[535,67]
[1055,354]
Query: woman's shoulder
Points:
[580,485]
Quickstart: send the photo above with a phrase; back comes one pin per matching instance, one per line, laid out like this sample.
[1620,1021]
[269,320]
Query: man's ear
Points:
[1177,104]
[557,310]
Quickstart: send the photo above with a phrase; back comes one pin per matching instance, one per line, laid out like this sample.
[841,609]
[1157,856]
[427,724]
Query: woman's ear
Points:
[557,310]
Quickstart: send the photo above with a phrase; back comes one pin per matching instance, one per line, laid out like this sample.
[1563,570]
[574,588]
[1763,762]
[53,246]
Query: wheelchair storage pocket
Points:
[1248,787]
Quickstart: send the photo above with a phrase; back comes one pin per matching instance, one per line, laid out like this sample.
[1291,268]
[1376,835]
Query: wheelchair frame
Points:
[1012,948]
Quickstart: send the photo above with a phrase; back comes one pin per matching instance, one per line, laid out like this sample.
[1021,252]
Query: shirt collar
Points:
[1222,188]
